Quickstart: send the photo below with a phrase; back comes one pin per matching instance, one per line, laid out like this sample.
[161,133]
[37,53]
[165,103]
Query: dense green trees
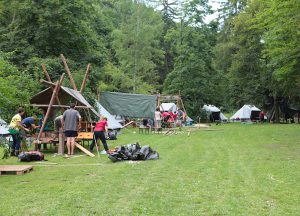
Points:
[249,55]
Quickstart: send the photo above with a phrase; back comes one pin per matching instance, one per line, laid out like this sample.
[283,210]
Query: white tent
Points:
[247,112]
[169,107]
[223,117]
[3,127]
[211,108]
[112,122]
[215,113]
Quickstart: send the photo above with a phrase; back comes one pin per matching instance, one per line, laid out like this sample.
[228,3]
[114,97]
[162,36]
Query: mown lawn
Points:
[238,170]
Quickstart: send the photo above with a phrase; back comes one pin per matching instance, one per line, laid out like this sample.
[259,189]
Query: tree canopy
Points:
[249,54]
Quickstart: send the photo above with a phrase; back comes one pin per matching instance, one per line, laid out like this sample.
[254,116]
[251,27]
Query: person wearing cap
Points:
[71,124]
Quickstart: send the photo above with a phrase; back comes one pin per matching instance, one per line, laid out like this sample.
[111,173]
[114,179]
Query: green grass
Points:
[239,170]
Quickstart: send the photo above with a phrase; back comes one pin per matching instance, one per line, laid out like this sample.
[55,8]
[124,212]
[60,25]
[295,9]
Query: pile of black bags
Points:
[133,152]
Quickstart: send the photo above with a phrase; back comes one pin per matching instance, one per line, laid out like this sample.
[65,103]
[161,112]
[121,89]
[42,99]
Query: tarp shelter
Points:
[246,113]
[3,127]
[130,105]
[214,113]
[113,124]
[169,107]
[66,96]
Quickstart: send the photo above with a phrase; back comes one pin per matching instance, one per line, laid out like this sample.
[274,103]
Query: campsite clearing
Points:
[239,170]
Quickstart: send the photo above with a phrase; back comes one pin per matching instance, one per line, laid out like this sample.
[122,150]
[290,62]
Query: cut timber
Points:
[129,123]
[14,169]
[68,71]
[85,78]
[85,135]
[84,150]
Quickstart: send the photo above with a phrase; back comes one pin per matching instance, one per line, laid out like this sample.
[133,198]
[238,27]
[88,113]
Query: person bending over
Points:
[99,133]
[29,122]
[14,128]
[71,124]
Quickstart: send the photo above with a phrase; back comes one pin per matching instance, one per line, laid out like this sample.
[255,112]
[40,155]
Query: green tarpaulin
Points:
[131,105]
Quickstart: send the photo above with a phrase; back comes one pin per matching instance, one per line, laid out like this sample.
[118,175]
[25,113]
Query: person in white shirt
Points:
[157,118]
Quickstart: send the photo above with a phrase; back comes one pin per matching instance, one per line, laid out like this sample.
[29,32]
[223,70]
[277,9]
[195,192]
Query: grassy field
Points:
[237,170]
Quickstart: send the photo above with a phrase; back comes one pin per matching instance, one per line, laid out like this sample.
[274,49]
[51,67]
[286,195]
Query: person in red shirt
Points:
[262,116]
[100,129]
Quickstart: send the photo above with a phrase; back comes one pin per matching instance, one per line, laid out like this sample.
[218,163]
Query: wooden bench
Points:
[157,130]
[144,129]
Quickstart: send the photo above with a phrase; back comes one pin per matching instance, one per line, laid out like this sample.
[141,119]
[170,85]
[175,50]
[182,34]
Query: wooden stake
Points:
[85,78]
[68,71]
[84,150]
[48,110]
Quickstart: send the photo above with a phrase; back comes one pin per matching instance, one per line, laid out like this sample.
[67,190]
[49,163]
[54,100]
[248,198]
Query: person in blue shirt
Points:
[29,122]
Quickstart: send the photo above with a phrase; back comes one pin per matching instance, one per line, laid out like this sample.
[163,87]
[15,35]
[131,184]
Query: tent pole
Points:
[178,102]
[183,105]
[49,80]
[68,71]
[85,78]
[48,110]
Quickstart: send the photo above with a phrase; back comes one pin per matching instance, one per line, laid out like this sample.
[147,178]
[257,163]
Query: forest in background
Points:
[250,54]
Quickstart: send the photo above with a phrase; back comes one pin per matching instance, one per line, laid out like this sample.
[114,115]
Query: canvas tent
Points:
[129,105]
[246,113]
[66,96]
[3,127]
[113,124]
[169,107]
[223,117]
[214,113]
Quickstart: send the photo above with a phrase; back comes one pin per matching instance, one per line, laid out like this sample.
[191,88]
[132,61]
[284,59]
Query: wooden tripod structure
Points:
[56,87]
[169,98]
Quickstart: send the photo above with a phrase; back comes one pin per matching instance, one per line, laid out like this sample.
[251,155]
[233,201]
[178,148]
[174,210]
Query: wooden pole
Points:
[58,106]
[183,106]
[85,78]
[68,71]
[61,81]
[158,100]
[61,142]
[49,81]
[178,101]
[48,110]
[46,73]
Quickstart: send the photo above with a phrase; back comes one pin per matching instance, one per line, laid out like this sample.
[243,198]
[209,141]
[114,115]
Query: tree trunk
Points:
[276,107]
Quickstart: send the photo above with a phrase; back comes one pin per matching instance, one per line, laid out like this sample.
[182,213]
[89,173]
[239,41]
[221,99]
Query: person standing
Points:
[157,119]
[262,116]
[100,129]
[71,124]
[14,128]
[58,125]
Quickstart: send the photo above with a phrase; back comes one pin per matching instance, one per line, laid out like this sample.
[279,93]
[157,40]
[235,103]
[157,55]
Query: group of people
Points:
[69,121]
[164,118]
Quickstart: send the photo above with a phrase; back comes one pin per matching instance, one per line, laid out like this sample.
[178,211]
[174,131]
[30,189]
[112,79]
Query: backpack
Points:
[31,156]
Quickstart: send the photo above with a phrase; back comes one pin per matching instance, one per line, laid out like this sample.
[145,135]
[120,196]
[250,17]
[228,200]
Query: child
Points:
[99,133]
